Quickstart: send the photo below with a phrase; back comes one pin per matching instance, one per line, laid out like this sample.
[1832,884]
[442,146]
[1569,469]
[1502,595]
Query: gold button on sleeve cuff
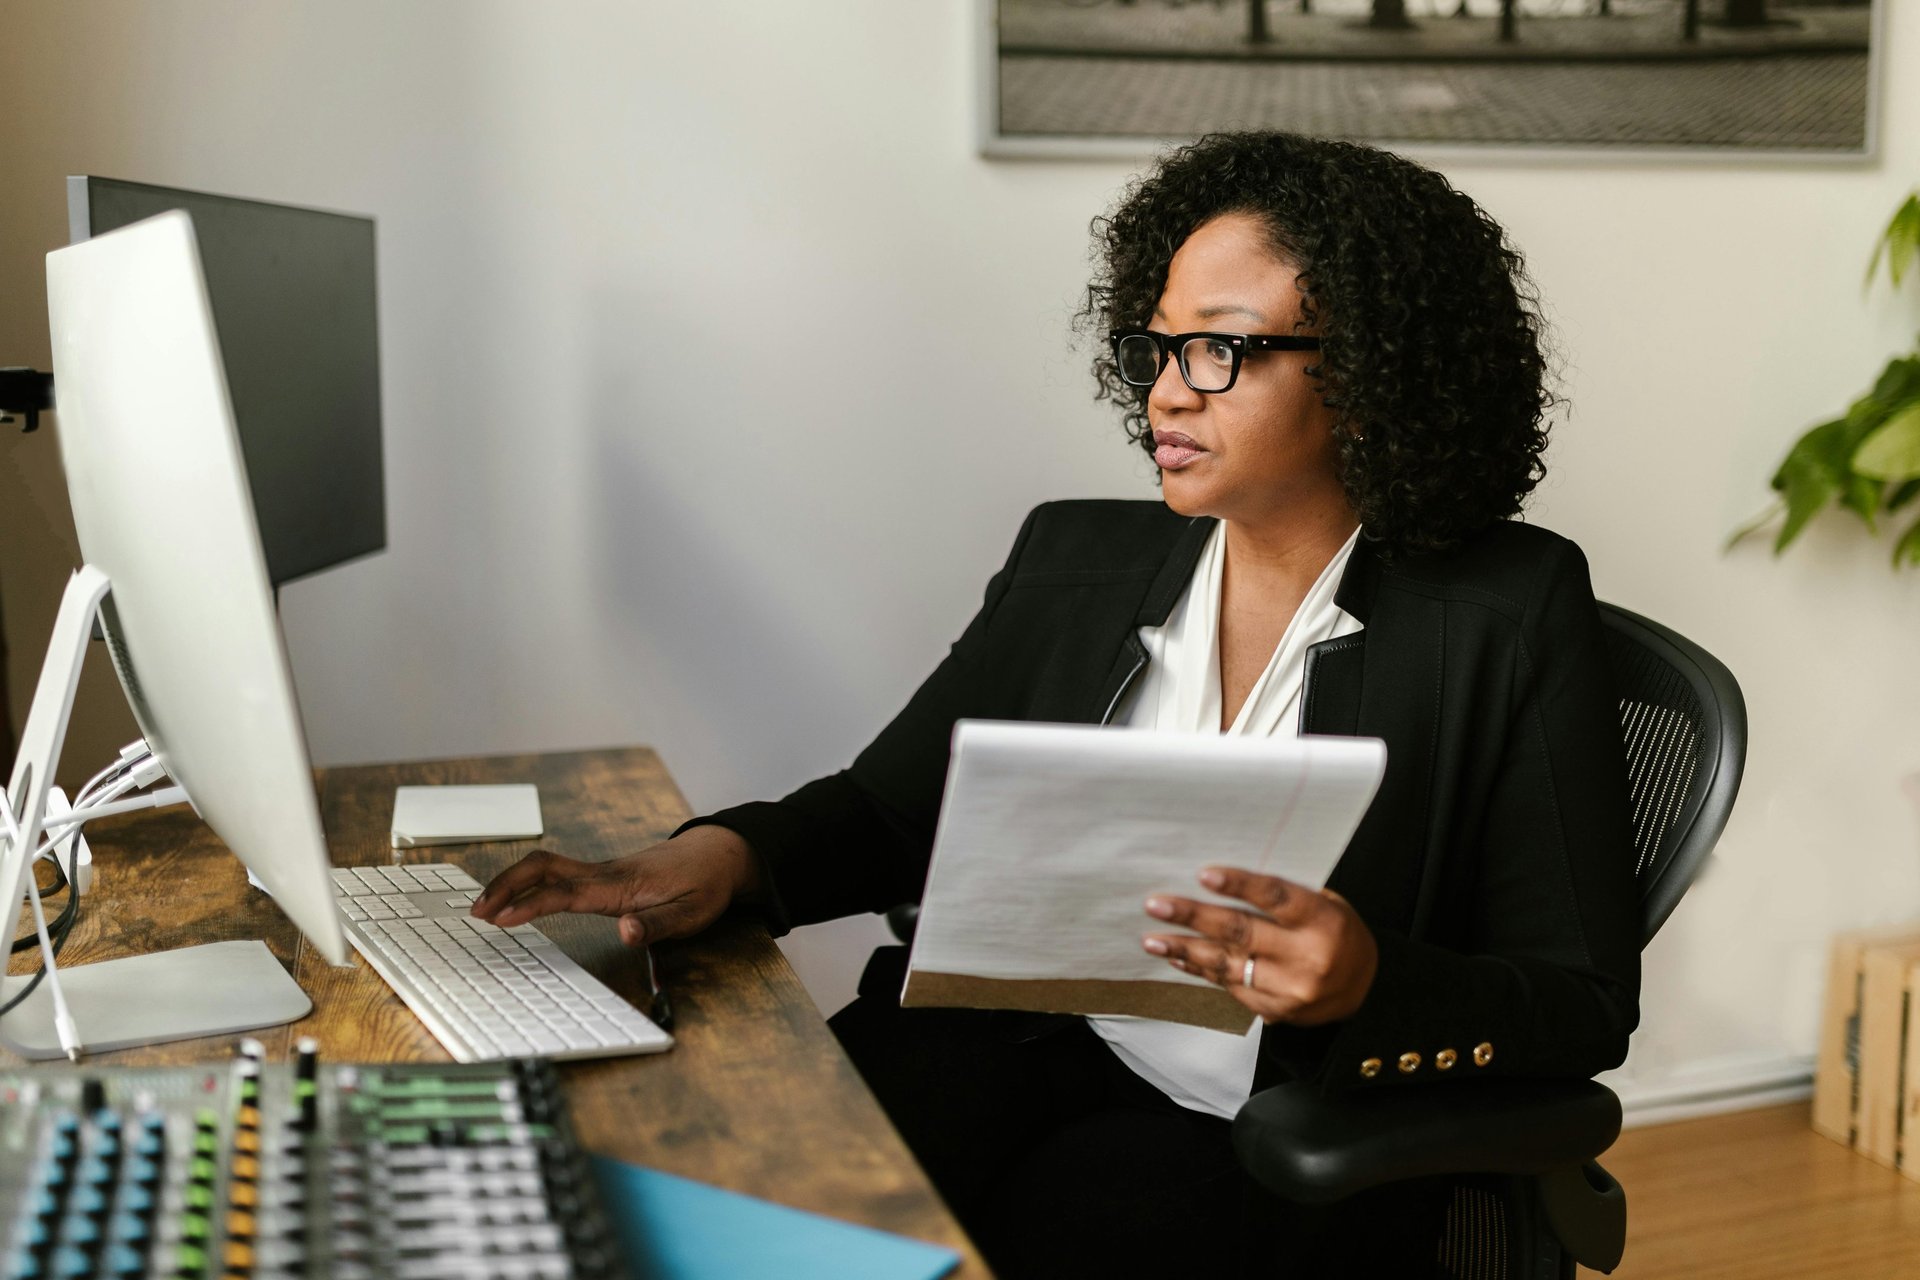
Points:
[1445,1059]
[1482,1054]
[1370,1068]
[1409,1063]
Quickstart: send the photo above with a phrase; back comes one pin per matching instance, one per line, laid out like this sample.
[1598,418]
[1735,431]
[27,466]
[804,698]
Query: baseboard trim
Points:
[1710,1090]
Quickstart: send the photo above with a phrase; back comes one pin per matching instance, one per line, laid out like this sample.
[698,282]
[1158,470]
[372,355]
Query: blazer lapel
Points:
[1390,871]
[1385,682]
[1336,669]
[1161,595]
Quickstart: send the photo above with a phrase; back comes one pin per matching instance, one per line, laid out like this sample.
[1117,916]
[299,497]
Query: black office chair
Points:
[1529,1201]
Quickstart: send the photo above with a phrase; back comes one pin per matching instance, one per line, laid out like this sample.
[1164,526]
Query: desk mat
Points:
[672,1228]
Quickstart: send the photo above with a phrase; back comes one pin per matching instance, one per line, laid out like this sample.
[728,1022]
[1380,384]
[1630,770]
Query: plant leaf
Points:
[1862,497]
[1908,548]
[1903,238]
[1755,525]
[1898,243]
[1820,450]
[1810,476]
[1902,495]
[1892,452]
[1899,381]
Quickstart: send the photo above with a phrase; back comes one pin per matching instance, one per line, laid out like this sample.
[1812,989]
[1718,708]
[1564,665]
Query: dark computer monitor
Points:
[292,292]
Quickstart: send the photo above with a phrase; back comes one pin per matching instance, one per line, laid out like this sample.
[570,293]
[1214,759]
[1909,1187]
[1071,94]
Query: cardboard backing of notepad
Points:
[1866,1091]
[1209,1007]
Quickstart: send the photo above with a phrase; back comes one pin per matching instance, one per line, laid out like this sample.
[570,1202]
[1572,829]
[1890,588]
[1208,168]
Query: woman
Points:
[1332,358]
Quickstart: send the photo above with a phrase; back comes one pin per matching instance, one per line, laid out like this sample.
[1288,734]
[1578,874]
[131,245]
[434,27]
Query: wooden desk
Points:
[755,1096]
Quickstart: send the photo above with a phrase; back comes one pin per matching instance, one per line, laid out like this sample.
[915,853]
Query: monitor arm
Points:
[27,392]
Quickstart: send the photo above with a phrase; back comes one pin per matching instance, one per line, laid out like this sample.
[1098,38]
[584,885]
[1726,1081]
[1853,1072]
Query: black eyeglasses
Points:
[1208,361]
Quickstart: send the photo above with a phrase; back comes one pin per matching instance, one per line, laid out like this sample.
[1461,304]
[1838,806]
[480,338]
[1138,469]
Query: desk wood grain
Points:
[755,1096]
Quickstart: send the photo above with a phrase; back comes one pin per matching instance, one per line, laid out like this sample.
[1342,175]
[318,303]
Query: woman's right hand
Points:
[675,888]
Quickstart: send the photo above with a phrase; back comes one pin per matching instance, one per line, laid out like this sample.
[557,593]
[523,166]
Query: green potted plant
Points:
[1867,460]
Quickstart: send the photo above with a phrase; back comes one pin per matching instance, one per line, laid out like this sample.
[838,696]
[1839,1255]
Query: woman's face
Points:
[1252,452]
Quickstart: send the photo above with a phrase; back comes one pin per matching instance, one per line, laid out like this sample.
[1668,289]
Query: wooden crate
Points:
[1909,1162]
[1867,1076]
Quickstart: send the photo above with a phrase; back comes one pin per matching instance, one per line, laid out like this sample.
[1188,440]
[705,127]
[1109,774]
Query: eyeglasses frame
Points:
[1172,346]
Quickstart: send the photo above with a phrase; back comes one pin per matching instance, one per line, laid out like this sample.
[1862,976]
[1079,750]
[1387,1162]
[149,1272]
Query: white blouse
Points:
[1212,1071]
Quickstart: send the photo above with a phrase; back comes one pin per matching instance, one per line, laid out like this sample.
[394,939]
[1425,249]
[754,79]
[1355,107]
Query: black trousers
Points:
[1060,1161]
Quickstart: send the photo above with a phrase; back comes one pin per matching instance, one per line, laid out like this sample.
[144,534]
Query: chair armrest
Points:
[1315,1150]
[903,919]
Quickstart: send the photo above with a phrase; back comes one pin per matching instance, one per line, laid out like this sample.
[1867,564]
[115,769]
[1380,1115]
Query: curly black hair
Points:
[1433,353]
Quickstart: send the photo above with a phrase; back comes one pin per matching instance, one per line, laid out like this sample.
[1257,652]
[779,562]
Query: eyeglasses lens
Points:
[1208,363]
[1139,359]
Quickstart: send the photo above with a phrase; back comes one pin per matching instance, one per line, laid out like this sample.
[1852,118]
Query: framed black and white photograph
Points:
[1635,78]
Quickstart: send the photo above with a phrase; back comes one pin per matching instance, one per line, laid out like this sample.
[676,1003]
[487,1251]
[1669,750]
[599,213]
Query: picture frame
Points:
[1043,67]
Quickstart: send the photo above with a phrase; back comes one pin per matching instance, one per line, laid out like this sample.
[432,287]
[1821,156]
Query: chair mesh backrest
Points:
[1660,719]
[1684,726]
[1475,1244]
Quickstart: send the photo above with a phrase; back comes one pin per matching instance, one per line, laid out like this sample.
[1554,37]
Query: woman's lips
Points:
[1172,450]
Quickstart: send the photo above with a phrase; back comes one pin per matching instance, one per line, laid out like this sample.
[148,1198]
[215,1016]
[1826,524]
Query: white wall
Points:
[719,371]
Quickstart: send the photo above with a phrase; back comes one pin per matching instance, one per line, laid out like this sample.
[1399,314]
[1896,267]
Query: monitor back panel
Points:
[160,503]
[294,302]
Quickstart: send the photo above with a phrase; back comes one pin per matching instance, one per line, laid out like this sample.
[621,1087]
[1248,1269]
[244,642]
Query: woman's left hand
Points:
[1313,957]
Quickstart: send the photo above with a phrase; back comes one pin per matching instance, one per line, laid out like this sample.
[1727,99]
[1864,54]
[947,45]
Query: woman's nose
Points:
[1170,390]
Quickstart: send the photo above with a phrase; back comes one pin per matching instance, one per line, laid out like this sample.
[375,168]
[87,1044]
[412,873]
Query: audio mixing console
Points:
[250,1170]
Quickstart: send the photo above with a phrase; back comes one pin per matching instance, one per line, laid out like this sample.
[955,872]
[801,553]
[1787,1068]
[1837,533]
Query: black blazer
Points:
[1494,866]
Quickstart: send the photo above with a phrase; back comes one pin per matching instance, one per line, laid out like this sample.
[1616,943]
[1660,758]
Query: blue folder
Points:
[674,1229]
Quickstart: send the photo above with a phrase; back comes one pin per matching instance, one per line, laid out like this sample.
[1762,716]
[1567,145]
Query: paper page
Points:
[1051,837]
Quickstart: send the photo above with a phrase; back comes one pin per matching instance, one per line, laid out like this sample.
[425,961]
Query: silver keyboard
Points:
[485,992]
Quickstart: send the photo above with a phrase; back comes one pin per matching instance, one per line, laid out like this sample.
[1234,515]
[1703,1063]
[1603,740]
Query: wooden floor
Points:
[1758,1195]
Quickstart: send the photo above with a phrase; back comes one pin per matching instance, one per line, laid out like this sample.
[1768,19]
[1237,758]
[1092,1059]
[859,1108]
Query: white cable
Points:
[111,783]
[152,800]
[78,868]
[75,818]
[63,1024]
[59,830]
[99,778]
[134,753]
[79,853]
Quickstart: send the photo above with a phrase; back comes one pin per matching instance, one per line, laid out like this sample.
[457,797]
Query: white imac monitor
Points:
[162,507]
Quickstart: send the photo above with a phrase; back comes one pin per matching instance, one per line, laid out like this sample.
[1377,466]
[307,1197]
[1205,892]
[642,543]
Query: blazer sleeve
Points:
[1547,982]
[859,840]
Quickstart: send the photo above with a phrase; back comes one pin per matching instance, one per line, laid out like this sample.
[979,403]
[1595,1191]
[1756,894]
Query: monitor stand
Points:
[209,990]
